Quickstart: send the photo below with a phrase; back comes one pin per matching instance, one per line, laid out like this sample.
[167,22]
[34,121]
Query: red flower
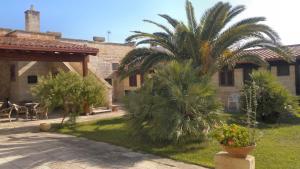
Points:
[230,142]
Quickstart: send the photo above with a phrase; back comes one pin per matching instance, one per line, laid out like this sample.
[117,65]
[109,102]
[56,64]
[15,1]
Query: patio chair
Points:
[233,102]
[21,110]
[40,111]
[6,113]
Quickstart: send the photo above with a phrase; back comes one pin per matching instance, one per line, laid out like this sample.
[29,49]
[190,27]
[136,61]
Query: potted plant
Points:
[237,140]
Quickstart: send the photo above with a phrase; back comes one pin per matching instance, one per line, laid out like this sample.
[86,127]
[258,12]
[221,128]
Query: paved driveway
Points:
[26,148]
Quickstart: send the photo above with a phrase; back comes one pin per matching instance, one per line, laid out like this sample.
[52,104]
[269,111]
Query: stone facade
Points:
[287,81]
[20,88]
[224,92]
[102,64]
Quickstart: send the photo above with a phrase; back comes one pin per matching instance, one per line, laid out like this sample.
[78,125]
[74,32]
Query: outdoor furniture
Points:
[6,113]
[21,110]
[233,102]
[31,109]
[41,111]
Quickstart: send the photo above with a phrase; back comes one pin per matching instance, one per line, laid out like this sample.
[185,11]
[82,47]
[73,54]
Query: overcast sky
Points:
[86,18]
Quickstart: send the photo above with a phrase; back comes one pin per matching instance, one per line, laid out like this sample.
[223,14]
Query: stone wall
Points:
[101,65]
[108,53]
[20,90]
[288,81]
[225,91]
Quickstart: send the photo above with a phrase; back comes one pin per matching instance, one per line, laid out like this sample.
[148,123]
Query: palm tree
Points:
[211,44]
[175,104]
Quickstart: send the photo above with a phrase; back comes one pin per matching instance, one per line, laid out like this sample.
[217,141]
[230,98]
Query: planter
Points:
[240,152]
[45,127]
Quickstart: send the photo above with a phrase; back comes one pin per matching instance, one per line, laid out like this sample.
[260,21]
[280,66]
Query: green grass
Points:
[279,148]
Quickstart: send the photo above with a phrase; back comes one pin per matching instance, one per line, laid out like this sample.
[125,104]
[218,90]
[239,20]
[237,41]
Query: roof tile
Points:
[44,45]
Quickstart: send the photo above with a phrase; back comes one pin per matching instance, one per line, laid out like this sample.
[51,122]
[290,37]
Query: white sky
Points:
[282,15]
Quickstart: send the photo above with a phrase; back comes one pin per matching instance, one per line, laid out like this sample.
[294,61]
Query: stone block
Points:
[224,161]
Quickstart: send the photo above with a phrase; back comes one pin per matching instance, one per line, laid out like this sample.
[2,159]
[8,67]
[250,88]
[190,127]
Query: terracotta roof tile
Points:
[44,45]
[270,55]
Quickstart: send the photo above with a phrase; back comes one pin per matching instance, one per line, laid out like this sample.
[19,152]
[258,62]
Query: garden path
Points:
[22,146]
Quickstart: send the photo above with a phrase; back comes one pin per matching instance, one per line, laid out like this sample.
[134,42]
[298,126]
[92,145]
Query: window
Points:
[115,66]
[132,81]
[283,70]
[246,74]
[32,79]
[226,77]
[109,81]
[12,73]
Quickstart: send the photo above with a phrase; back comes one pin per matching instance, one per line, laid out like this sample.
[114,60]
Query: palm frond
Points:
[191,16]
[252,20]
[167,30]
[170,20]
[154,59]
[234,12]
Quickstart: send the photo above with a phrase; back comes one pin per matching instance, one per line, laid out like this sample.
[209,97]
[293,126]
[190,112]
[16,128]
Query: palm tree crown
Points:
[211,44]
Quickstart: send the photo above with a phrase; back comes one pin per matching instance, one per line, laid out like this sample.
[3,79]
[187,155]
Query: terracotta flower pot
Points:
[45,127]
[240,152]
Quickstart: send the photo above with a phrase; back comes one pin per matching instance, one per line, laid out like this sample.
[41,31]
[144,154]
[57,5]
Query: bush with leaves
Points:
[273,99]
[233,135]
[173,104]
[70,91]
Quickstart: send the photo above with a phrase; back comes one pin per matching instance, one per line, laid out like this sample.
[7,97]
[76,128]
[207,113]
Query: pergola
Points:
[25,49]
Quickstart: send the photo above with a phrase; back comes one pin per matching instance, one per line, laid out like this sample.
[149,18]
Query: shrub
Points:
[173,105]
[273,98]
[70,91]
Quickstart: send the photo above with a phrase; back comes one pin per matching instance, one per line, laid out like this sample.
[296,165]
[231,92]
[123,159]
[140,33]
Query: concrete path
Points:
[23,147]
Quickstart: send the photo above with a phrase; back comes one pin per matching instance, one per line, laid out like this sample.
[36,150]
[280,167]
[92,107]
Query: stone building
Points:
[229,83]
[28,54]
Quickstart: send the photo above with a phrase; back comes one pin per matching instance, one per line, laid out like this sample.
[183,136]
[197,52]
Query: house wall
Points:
[20,90]
[109,53]
[128,87]
[224,92]
[101,64]
[288,81]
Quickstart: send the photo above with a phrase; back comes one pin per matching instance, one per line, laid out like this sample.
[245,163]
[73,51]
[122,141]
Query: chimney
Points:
[32,20]
[98,39]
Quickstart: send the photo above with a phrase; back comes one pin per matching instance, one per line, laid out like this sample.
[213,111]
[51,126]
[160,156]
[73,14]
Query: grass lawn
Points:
[279,147]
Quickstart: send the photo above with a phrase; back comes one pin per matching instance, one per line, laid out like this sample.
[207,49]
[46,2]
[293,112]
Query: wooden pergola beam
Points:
[41,56]
[85,69]
[46,56]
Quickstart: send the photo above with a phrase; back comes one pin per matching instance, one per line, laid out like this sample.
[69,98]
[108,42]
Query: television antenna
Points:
[108,34]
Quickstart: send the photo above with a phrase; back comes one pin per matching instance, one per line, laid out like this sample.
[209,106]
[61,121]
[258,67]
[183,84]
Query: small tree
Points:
[249,93]
[174,104]
[70,91]
[272,97]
